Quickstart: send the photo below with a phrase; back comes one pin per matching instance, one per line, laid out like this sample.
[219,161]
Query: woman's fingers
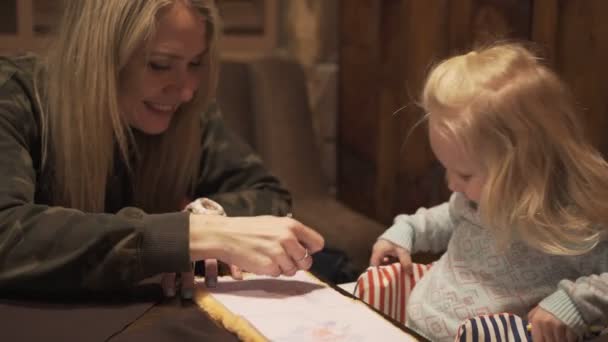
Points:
[266,245]
[300,256]
[187,280]
[236,272]
[167,283]
[287,265]
[297,243]
[308,237]
[304,262]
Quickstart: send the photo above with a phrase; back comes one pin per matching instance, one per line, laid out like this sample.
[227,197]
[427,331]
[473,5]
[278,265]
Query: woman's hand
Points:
[383,249]
[265,245]
[547,328]
[169,283]
[236,273]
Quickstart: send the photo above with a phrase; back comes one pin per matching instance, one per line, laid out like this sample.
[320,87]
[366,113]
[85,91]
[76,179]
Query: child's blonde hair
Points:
[82,126]
[545,183]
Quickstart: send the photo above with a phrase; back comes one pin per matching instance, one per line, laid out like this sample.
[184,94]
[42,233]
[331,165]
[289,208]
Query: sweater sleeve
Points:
[581,304]
[234,176]
[52,250]
[426,230]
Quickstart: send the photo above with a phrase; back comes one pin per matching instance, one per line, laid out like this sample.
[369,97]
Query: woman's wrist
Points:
[205,237]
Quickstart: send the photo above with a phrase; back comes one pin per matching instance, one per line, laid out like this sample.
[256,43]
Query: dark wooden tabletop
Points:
[143,314]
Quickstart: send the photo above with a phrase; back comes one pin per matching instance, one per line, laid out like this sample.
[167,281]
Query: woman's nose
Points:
[186,93]
[187,84]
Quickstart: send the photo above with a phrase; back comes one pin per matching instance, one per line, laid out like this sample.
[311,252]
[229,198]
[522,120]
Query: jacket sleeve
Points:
[427,230]
[54,250]
[234,176]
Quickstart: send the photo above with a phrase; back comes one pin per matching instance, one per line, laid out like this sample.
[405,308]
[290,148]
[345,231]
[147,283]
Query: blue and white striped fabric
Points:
[505,327]
[494,328]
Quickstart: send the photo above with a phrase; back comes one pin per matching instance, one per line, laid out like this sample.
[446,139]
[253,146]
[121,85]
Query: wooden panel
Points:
[46,16]
[24,39]
[457,27]
[574,36]
[391,73]
[545,26]
[494,20]
[357,125]
[410,156]
[581,53]
[387,48]
[8,22]
[252,28]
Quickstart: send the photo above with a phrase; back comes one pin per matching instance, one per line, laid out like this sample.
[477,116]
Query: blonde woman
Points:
[106,139]
[525,228]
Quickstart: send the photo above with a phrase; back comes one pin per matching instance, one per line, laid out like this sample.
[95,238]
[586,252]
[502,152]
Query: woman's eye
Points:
[158,66]
[196,64]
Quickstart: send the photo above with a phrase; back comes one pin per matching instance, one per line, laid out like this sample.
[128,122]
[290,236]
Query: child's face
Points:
[463,173]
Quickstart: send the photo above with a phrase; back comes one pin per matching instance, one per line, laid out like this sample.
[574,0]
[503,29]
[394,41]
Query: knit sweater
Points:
[475,277]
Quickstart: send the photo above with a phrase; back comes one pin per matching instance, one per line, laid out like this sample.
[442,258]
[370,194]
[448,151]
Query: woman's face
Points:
[166,72]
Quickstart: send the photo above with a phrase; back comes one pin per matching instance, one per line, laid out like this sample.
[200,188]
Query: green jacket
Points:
[50,249]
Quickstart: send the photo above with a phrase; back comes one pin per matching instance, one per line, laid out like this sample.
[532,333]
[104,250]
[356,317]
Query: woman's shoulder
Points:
[17,93]
[21,67]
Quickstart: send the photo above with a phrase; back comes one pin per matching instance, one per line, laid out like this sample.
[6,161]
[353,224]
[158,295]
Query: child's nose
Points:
[454,185]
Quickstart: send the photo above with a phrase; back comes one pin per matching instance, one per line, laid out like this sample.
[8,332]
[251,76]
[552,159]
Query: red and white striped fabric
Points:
[387,288]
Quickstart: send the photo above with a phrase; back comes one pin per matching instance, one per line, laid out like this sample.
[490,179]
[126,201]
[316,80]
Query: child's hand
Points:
[383,249]
[547,328]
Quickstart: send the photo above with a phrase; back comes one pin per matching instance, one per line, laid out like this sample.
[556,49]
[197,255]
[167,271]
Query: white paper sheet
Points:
[300,308]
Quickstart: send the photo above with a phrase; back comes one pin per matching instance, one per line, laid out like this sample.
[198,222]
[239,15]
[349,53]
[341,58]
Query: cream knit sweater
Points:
[474,277]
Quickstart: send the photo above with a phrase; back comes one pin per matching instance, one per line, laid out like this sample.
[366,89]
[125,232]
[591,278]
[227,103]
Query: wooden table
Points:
[141,314]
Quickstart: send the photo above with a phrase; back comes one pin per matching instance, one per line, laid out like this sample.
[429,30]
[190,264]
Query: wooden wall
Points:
[388,46]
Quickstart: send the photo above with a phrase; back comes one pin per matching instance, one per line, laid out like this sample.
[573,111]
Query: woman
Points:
[105,140]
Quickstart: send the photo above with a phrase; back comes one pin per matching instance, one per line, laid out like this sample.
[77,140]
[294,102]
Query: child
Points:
[525,227]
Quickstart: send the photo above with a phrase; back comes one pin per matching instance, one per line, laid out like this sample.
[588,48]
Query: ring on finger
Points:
[306,255]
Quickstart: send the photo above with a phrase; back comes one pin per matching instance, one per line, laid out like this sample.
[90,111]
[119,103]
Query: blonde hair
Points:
[545,183]
[82,126]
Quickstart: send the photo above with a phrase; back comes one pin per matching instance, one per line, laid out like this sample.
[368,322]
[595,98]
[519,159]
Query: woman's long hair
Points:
[545,183]
[82,125]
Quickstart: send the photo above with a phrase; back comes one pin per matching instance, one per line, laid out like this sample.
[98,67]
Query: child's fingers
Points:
[376,258]
[532,313]
[387,260]
[571,336]
[405,260]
